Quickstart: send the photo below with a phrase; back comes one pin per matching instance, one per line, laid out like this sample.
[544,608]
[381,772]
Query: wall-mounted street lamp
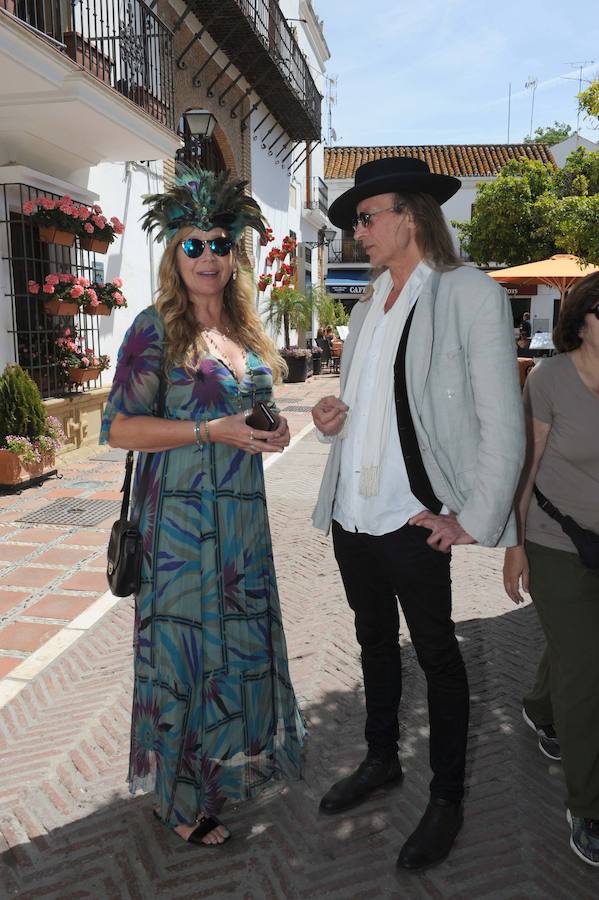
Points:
[325,236]
[200,123]
[196,127]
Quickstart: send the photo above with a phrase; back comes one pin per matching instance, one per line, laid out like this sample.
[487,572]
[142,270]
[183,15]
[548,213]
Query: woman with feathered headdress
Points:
[214,714]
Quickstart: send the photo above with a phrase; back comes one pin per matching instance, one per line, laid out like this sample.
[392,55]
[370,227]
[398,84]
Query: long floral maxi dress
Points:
[214,712]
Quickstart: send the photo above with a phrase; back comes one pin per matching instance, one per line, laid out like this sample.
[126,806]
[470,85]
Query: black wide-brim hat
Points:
[393,174]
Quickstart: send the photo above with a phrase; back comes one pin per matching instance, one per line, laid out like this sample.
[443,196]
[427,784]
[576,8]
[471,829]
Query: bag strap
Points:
[126,488]
[548,507]
[145,475]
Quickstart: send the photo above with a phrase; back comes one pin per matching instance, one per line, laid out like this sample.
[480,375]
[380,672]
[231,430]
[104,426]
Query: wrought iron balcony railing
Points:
[121,42]
[256,37]
[347,251]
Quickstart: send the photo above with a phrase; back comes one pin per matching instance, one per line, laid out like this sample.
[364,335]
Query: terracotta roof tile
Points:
[461,160]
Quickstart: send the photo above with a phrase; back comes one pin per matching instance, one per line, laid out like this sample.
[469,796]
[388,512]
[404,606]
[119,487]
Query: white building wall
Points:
[279,180]
[133,256]
[561,151]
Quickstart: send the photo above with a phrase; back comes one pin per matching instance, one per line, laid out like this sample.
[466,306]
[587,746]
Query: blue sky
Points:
[438,71]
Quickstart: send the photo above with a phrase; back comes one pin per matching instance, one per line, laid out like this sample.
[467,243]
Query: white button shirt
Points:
[395,503]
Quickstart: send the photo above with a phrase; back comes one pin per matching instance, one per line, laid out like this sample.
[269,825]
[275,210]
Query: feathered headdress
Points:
[204,199]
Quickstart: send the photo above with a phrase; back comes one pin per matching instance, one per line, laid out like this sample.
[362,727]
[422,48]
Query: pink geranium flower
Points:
[99,222]
[118,282]
[82,280]
[29,207]
[52,279]
[97,208]
[48,289]
[84,361]
[89,228]
[33,287]
[76,291]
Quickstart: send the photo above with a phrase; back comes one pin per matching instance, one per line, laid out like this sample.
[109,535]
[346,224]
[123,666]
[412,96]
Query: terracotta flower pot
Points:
[100,310]
[95,245]
[13,471]
[60,308]
[49,234]
[78,375]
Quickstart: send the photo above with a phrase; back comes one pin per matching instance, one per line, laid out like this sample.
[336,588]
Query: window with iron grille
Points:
[33,330]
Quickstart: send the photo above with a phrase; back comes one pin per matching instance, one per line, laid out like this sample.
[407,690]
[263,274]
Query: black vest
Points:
[419,480]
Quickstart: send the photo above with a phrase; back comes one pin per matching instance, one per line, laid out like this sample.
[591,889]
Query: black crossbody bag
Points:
[585,541]
[125,547]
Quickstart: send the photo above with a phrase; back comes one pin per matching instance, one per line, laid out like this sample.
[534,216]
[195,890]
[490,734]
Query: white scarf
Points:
[383,401]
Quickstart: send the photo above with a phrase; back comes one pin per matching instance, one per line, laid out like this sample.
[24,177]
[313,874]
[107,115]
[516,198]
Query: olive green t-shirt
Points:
[568,474]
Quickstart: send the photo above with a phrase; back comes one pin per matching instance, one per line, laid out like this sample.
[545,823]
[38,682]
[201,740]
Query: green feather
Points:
[203,199]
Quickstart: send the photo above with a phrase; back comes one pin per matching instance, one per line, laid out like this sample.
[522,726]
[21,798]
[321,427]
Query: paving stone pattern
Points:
[69,830]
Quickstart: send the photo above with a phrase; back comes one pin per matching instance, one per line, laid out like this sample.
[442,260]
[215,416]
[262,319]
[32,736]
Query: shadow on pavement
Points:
[514,843]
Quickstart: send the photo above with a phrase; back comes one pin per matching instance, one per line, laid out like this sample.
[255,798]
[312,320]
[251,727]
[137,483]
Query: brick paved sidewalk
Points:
[68,828]
[50,573]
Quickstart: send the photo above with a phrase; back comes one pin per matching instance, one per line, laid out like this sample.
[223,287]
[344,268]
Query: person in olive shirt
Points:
[561,399]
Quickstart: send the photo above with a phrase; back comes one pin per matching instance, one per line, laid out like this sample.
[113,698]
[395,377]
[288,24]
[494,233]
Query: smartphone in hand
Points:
[262,418]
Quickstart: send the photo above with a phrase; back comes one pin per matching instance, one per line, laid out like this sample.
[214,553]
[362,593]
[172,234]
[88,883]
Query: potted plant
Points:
[316,360]
[58,220]
[29,438]
[64,294]
[291,309]
[98,232]
[79,363]
[104,298]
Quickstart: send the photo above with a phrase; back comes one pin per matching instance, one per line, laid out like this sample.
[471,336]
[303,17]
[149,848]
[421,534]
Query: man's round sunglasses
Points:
[194,247]
[364,218]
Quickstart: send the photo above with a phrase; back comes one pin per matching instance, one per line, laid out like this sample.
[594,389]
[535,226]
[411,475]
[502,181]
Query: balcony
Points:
[255,36]
[319,196]
[347,251]
[48,51]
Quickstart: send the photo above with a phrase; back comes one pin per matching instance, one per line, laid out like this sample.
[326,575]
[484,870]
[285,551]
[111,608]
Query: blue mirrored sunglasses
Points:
[194,247]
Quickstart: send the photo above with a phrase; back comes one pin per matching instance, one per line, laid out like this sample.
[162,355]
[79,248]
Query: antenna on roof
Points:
[580,65]
[331,101]
[532,84]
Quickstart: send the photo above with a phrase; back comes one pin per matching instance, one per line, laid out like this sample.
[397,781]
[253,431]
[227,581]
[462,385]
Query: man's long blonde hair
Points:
[183,336]
[432,236]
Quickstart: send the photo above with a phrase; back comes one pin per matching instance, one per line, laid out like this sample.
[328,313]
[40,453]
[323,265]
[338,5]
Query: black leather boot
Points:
[371,774]
[433,838]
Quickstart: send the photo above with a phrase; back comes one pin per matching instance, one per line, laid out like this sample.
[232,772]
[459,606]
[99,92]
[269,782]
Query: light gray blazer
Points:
[465,400]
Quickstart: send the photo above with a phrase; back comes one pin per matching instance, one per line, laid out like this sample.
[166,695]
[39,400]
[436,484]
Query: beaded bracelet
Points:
[197,433]
[207,438]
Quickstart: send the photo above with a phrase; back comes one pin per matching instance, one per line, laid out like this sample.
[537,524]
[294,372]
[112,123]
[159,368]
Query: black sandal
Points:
[205,825]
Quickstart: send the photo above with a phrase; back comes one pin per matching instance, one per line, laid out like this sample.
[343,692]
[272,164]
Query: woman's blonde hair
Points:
[183,335]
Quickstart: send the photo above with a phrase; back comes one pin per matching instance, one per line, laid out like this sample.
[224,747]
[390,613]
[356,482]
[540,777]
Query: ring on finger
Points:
[251,435]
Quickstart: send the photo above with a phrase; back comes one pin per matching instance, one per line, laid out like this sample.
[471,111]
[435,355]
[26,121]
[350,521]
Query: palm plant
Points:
[289,309]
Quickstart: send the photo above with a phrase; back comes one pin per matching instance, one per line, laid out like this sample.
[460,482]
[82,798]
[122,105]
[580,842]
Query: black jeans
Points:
[376,572]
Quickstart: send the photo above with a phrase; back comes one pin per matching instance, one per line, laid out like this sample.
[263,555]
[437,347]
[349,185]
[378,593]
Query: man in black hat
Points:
[427,446]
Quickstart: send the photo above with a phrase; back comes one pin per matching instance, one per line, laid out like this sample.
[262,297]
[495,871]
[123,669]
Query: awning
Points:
[347,281]
[561,272]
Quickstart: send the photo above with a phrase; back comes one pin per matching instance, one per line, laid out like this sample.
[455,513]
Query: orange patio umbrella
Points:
[561,272]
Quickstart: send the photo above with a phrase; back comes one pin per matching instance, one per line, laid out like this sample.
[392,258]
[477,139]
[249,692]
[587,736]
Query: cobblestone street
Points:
[68,828]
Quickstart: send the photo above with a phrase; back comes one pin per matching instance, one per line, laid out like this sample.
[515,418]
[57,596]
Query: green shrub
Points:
[22,412]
